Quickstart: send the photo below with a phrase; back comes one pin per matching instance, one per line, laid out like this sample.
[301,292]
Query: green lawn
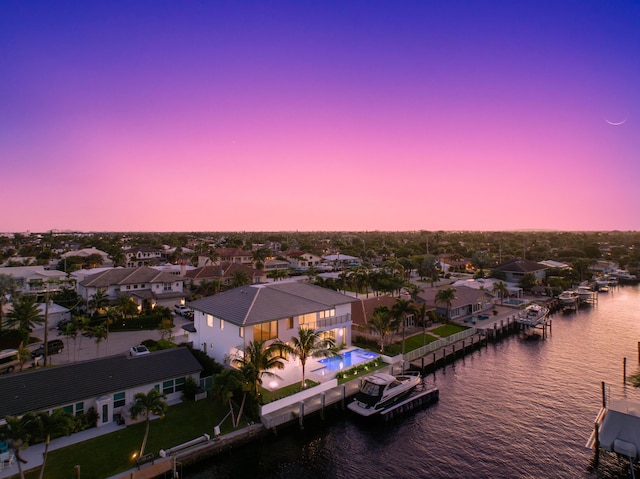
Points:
[110,454]
[447,330]
[270,396]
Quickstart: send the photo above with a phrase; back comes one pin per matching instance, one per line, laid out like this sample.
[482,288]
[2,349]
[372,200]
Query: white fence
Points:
[440,343]
[296,398]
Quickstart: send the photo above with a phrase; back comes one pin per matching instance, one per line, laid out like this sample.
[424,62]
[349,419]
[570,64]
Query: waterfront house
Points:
[142,284]
[106,384]
[468,301]
[516,268]
[37,279]
[224,323]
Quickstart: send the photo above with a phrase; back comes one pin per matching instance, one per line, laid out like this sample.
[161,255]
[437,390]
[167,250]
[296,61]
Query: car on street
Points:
[54,346]
[183,310]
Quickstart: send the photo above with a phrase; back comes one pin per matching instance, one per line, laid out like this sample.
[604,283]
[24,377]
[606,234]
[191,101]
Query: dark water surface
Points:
[516,409]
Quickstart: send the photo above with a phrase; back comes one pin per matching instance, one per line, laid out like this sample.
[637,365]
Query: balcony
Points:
[328,323]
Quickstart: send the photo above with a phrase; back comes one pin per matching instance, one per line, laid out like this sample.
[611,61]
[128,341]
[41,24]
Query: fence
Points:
[440,343]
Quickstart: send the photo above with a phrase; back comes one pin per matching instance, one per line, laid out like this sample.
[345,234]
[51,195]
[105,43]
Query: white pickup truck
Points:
[183,310]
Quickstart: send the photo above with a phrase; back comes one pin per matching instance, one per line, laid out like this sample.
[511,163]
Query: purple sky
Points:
[206,115]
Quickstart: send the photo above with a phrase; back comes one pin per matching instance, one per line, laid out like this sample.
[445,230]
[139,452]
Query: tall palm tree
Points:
[259,256]
[256,360]
[446,296]
[421,313]
[100,333]
[145,405]
[500,288]
[226,384]
[17,435]
[240,278]
[58,423]
[400,310]
[126,306]
[7,287]
[98,301]
[25,313]
[383,323]
[309,344]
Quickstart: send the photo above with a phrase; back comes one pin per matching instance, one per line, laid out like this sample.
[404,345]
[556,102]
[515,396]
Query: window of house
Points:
[308,320]
[290,323]
[179,384]
[265,331]
[241,331]
[209,320]
[79,408]
[167,387]
[222,324]
[328,313]
[119,399]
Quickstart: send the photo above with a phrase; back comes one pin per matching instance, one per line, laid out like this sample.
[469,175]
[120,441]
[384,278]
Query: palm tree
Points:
[383,323]
[500,288]
[400,310]
[259,256]
[240,278]
[100,333]
[146,404]
[17,435]
[7,287]
[25,313]
[256,360]
[421,313]
[446,296]
[99,300]
[227,383]
[58,423]
[126,306]
[309,344]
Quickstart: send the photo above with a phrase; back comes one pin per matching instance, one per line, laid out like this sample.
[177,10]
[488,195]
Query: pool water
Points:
[346,360]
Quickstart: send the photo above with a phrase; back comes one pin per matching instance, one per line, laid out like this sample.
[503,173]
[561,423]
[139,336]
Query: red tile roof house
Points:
[106,384]
[223,272]
[468,301]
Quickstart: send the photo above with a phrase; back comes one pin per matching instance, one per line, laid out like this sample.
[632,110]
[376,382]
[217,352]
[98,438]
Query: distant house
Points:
[86,252]
[450,263]
[142,256]
[467,301]
[37,280]
[300,260]
[141,284]
[226,255]
[225,273]
[54,313]
[106,384]
[516,268]
[228,321]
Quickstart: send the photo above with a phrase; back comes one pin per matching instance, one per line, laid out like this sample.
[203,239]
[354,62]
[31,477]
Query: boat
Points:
[379,392]
[585,293]
[532,315]
[568,298]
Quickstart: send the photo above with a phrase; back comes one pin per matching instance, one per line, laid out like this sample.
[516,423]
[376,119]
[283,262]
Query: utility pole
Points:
[46,324]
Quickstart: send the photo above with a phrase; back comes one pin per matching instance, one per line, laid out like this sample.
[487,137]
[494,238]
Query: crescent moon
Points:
[615,123]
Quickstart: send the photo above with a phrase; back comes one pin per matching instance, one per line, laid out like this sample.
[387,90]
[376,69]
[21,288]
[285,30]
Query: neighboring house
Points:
[174,269]
[226,255]
[141,284]
[142,256]
[450,263]
[53,314]
[340,261]
[37,280]
[106,384]
[224,272]
[85,252]
[227,321]
[300,260]
[467,301]
[276,264]
[516,268]
[549,263]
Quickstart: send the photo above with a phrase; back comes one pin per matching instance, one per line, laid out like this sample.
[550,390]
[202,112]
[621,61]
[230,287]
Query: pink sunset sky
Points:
[358,115]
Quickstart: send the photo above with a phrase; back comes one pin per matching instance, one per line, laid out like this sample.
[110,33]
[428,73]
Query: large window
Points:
[119,399]
[290,323]
[329,313]
[209,320]
[308,320]
[265,331]
[167,387]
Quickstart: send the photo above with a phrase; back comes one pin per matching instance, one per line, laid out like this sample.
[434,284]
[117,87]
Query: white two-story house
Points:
[225,323]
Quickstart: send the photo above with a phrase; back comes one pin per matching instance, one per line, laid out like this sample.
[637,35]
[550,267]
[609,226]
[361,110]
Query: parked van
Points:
[53,346]
[8,360]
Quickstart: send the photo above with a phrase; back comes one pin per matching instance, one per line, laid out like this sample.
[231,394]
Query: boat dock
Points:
[419,398]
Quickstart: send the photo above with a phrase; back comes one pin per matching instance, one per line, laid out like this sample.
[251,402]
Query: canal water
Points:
[515,409]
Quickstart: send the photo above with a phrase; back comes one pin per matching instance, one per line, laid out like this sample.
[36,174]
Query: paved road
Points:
[84,348]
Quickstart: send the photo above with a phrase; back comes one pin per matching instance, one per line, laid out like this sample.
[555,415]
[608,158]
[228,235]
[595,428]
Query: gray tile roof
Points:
[52,387]
[255,304]
[142,274]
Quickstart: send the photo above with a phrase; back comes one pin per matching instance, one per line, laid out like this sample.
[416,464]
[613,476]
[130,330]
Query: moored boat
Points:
[533,314]
[379,392]
[568,298]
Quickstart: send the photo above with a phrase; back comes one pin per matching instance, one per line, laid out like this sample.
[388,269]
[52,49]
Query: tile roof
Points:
[464,296]
[519,265]
[255,304]
[57,386]
[141,274]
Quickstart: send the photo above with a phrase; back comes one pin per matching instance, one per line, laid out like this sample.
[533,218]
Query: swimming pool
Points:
[345,360]
[514,302]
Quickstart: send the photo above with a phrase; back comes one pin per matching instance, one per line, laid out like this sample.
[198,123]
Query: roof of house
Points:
[463,296]
[224,269]
[255,304]
[519,265]
[141,274]
[46,388]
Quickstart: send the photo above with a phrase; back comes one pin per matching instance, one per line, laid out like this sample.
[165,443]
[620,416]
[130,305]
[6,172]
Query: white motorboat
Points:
[380,391]
[568,298]
[585,293]
[532,315]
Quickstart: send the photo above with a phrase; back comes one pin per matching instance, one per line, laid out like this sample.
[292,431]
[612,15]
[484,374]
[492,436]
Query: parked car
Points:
[139,350]
[183,310]
[55,346]
[8,360]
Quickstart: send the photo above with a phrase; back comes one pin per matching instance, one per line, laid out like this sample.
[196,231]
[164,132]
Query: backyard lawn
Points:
[110,454]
